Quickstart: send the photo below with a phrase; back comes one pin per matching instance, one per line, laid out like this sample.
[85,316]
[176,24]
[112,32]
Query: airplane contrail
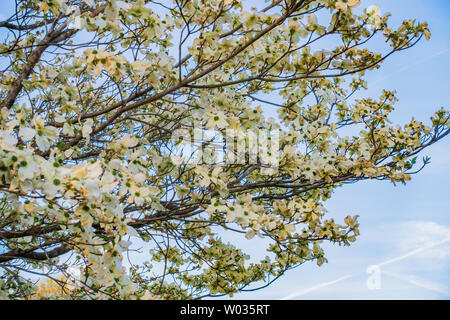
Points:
[319,286]
[418,282]
[404,256]
[413,252]
[409,66]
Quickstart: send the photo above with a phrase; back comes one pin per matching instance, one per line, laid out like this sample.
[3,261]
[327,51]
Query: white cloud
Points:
[417,234]
[418,282]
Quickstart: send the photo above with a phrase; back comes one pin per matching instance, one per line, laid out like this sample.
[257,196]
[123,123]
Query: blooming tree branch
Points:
[92,93]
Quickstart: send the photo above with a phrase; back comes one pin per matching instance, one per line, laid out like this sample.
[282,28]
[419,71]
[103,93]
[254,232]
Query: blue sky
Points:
[403,228]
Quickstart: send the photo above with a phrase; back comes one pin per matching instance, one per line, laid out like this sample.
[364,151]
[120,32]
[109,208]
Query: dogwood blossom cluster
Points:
[91,93]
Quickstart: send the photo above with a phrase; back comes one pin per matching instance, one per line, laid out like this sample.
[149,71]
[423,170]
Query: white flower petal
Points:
[94,170]
[43,143]
[129,141]
[92,189]
[26,134]
[87,128]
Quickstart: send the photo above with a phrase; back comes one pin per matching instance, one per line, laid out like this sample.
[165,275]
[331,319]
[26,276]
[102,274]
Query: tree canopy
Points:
[92,92]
